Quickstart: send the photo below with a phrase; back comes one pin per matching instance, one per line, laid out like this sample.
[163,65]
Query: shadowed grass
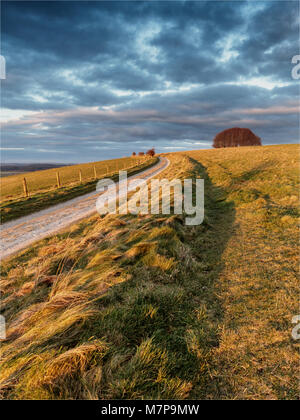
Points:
[258,286]
[135,284]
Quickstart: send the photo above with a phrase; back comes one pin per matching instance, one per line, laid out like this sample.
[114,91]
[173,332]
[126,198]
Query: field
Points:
[38,181]
[131,307]
[74,180]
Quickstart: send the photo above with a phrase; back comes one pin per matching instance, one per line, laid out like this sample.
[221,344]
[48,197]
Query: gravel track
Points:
[22,232]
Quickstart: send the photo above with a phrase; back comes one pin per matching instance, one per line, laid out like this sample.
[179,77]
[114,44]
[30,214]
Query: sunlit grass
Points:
[45,180]
[146,307]
[42,185]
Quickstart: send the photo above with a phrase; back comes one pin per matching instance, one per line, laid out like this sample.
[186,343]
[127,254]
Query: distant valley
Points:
[7,169]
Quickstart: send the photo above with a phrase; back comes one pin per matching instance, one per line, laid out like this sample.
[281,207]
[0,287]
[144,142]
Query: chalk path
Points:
[22,232]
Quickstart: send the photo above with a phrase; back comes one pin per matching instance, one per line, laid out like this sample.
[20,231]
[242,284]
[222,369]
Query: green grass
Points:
[131,307]
[39,199]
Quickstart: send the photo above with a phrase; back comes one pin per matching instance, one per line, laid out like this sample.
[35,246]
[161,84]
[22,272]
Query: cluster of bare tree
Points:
[150,152]
[234,137]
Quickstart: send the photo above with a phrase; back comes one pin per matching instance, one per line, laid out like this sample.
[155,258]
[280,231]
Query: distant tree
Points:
[234,137]
[133,154]
[151,152]
[141,153]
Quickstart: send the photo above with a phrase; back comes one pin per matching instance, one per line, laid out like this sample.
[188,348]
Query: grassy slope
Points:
[45,180]
[146,307]
[21,206]
[257,287]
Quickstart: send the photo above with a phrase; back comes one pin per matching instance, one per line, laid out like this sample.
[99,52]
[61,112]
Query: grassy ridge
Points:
[146,307]
[21,206]
[258,285]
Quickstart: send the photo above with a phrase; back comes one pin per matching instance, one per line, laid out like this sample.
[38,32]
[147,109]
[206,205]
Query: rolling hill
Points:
[131,307]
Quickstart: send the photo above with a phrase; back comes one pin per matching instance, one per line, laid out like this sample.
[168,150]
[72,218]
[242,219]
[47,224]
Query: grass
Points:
[43,192]
[258,288]
[131,307]
[45,180]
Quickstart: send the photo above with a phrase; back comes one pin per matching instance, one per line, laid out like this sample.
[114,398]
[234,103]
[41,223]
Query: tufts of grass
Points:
[113,281]
[147,307]
[140,249]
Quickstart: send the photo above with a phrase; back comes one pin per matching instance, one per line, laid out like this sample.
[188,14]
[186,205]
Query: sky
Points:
[89,81]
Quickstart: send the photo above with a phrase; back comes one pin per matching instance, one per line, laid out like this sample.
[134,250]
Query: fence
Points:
[25,185]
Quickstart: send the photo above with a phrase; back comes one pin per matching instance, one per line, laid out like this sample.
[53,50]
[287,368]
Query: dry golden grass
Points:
[146,307]
[52,294]
[257,287]
[44,191]
[12,186]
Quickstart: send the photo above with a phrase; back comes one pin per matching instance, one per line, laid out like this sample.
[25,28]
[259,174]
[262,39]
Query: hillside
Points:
[131,307]
[51,186]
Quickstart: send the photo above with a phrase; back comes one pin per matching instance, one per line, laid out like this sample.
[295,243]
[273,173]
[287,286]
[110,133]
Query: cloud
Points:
[117,76]
[12,148]
[272,110]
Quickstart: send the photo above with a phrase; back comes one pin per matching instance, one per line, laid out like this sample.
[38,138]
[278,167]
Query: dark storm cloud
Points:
[108,77]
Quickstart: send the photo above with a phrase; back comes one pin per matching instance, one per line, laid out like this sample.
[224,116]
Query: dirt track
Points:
[20,233]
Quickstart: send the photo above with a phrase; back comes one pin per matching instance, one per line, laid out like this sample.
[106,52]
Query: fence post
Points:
[95,172]
[57,180]
[25,187]
[80,176]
